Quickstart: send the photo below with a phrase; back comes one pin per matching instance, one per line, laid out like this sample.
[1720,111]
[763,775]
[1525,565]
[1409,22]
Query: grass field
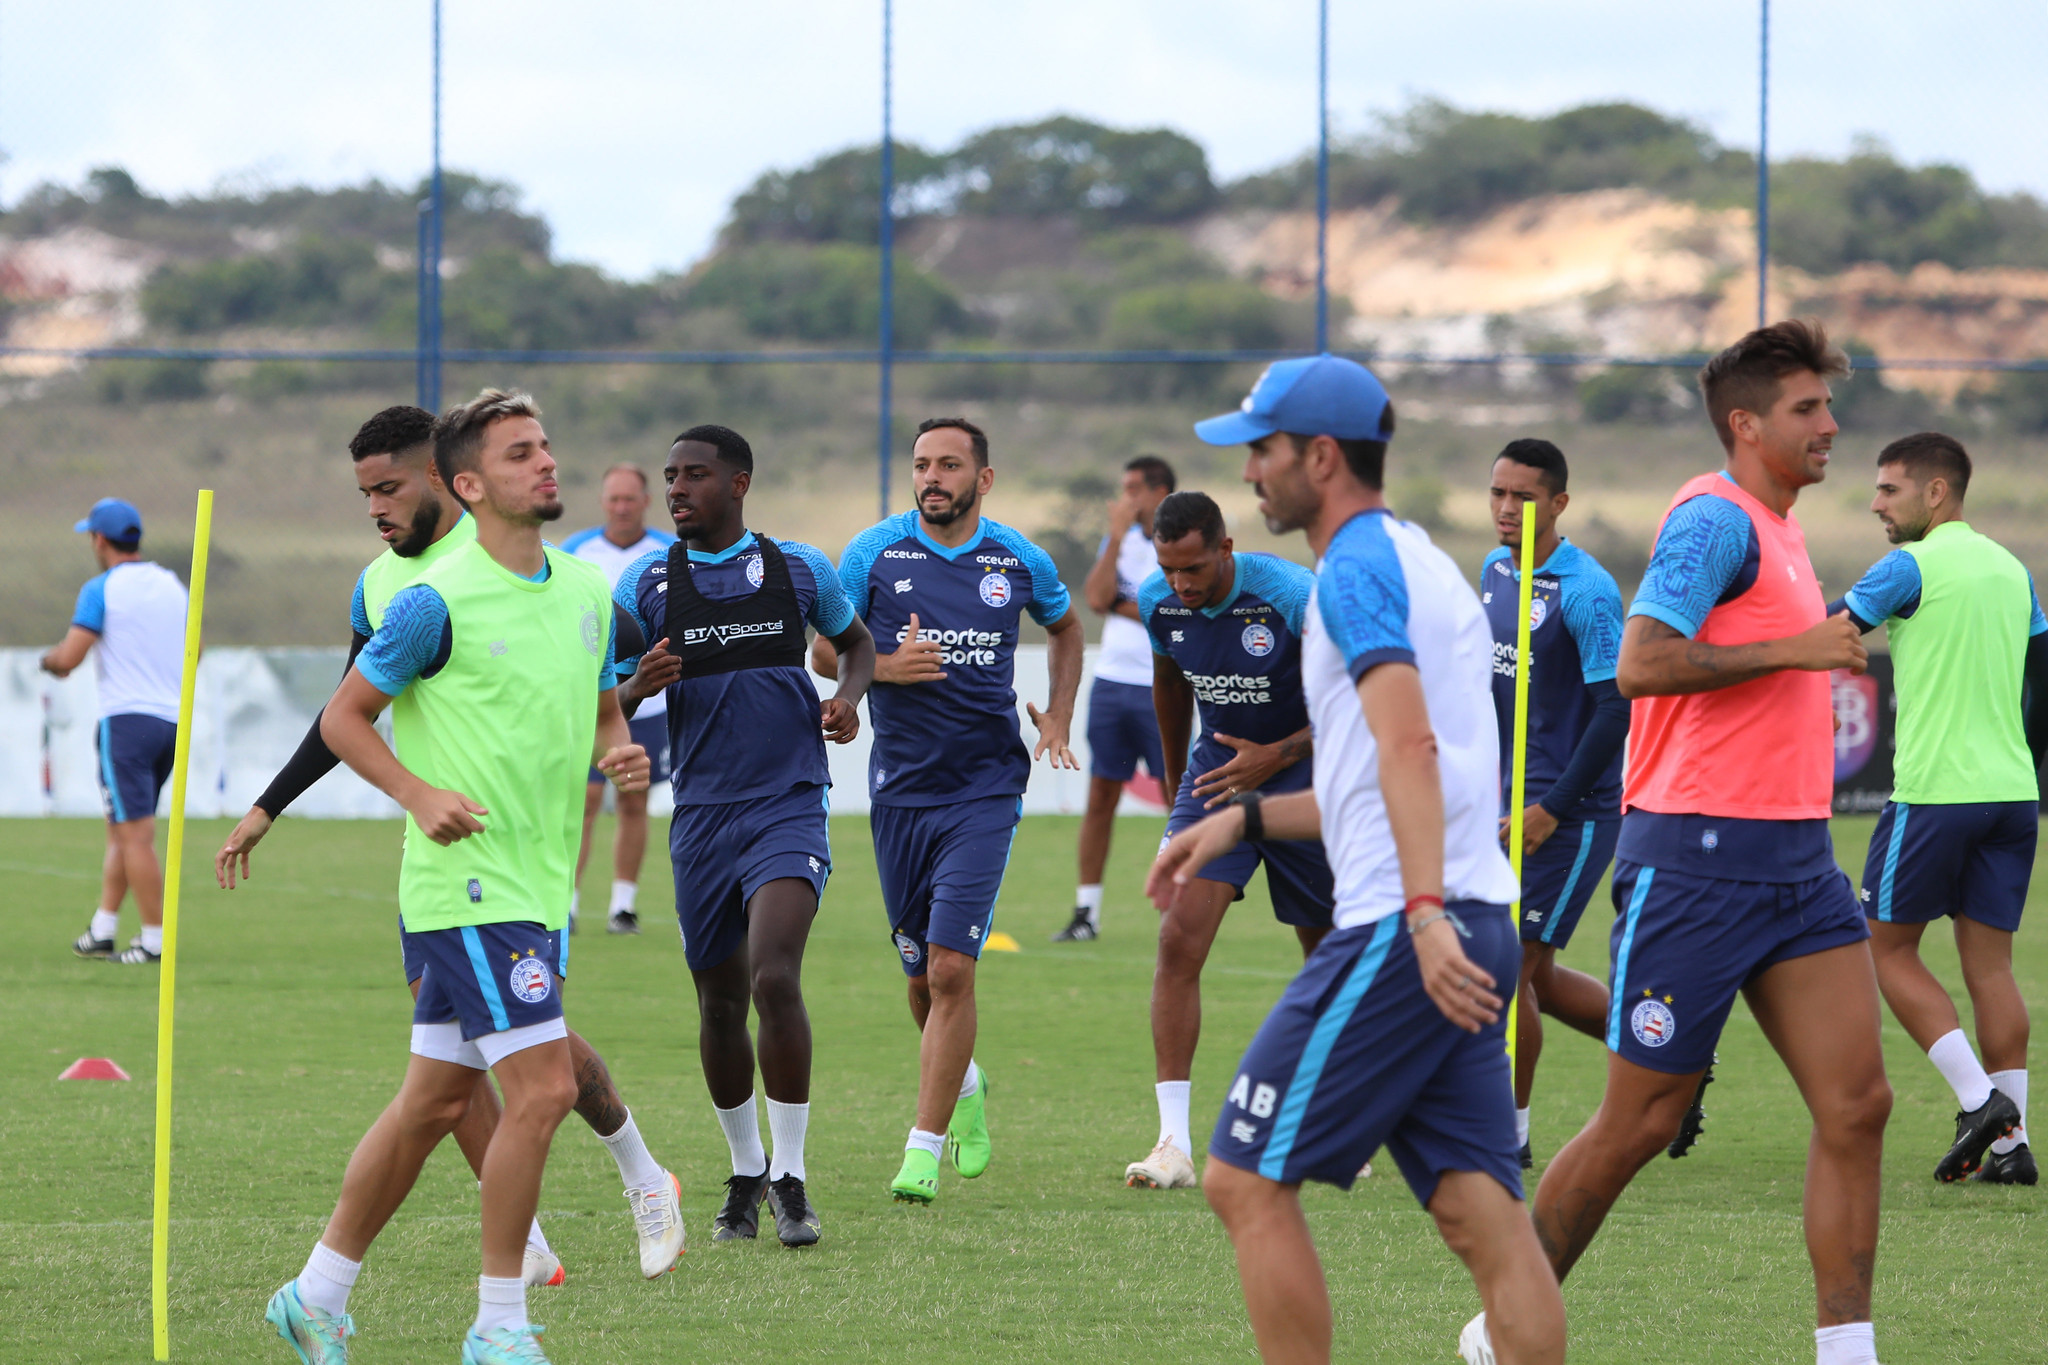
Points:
[292,1028]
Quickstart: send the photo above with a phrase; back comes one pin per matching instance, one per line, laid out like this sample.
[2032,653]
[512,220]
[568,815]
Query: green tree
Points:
[824,293]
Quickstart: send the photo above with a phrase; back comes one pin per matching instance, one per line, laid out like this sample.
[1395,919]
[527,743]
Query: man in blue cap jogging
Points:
[135,612]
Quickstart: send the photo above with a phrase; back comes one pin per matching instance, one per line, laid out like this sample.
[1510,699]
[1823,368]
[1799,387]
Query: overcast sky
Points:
[631,124]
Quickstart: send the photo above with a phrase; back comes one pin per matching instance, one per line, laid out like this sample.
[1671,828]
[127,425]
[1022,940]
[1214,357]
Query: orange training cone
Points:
[94,1069]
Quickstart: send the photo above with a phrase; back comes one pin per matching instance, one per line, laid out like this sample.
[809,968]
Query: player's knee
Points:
[1180,954]
[777,987]
[437,1112]
[1857,1111]
[949,974]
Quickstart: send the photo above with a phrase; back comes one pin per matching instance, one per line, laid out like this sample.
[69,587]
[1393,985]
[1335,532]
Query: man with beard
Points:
[749,839]
[1725,880]
[1968,642]
[946,586]
[500,658]
[1393,1032]
[422,525]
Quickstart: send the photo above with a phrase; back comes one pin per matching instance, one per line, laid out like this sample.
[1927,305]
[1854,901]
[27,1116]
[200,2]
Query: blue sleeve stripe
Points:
[626,594]
[91,611]
[831,613]
[581,538]
[1373,658]
[1861,610]
[377,677]
[1657,611]
[359,608]
[1599,675]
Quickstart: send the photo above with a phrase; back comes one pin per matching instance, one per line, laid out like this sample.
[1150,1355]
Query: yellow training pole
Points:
[167,984]
[1518,794]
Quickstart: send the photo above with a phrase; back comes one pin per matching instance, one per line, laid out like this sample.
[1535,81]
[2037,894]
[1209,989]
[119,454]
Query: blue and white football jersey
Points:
[1574,641]
[956,739]
[1242,658]
[1385,594]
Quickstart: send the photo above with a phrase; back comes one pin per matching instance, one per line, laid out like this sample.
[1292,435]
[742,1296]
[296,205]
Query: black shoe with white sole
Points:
[796,1222]
[622,922]
[138,956]
[1976,1130]
[87,946]
[1081,930]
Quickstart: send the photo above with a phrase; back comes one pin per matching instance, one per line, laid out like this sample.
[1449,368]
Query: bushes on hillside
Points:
[824,293]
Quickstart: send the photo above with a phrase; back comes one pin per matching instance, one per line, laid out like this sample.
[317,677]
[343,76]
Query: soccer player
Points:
[615,546]
[134,610]
[1225,630]
[726,608]
[1122,729]
[500,658]
[1725,878]
[422,525]
[946,586]
[1393,1033]
[1578,721]
[1957,837]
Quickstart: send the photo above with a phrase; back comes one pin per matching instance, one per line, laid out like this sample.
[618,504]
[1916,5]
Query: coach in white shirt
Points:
[135,612]
[1123,729]
[613,546]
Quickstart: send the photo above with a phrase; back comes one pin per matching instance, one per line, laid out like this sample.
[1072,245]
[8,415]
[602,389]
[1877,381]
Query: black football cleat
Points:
[2015,1167]
[622,922]
[1695,1121]
[1976,1130]
[85,945]
[1081,930]
[1528,1158]
[796,1222]
[740,1219]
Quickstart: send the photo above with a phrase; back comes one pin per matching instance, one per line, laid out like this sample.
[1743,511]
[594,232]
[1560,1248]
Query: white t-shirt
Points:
[1126,653]
[595,546]
[138,611]
[1385,594]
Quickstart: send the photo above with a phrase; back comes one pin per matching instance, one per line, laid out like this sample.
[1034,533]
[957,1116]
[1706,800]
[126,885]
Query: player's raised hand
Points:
[658,668]
[1248,769]
[1052,738]
[1834,643]
[1191,850]
[247,833]
[916,660]
[1461,988]
[840,718]
[627,766]
[444,816]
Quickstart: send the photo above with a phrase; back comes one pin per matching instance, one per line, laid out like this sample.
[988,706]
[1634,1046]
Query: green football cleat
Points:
[504,1346]
[319,1338]
[918,1181]
[967,1144]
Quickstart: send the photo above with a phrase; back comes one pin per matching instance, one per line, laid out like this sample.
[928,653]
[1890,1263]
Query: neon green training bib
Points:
[1957,670]
[509,721]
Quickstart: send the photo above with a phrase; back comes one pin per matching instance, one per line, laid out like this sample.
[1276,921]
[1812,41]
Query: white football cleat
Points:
[657,1217]
[1168,1168]
[543,1268]
[1474,1346]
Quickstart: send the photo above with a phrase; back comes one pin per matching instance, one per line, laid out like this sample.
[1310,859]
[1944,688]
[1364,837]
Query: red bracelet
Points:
[1413,901]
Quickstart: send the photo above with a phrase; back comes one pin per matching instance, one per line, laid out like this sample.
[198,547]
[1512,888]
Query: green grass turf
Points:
[292,1033]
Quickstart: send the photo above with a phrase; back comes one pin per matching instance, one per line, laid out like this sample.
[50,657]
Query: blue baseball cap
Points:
[116,520]
[1317,395]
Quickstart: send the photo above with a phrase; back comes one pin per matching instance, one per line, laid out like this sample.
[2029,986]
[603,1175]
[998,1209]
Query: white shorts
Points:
[445,1043]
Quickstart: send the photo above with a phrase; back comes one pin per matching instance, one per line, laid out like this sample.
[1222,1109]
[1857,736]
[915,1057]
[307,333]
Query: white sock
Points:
[1089,898]
[1522,1127]
[2014,1085]
[637,1166]
[921,1141]
[537,1239]
[742,1128]
[106,924]
[153,939]
[575,898]
[970,1082]
[1852,1343]
[326,1280]
[787,1124]
[624,896]
[1173,1114]
[499,1303]
[1957,1062]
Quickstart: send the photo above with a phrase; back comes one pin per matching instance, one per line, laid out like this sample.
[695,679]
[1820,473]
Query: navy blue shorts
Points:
[1930,861]
[941,868]
[135,762]
[1559,878]
[724,853]
[415,961]
[1298,874]
[1684,946]
[1356,1055]
[1122,729]
[651,734]
[490,978]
